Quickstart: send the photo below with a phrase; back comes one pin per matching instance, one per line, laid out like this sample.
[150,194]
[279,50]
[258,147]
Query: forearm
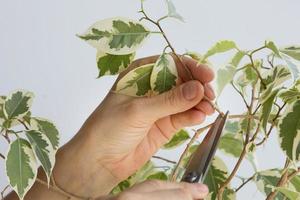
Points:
[75,173]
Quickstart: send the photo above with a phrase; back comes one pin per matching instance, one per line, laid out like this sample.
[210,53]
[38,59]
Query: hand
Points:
[159,190]
[124,132]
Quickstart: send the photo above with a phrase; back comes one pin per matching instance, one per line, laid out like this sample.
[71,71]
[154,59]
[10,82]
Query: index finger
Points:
[200,72]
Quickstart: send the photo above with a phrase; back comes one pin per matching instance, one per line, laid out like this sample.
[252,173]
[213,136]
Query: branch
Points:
[243,184]
[282,181]
[194,138]
[240,93]
[187,70]
[256,70]
[3,191]
[272,126]
[2,156]
[164,159]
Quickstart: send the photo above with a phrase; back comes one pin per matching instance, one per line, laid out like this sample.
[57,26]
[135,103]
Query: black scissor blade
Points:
[200,161]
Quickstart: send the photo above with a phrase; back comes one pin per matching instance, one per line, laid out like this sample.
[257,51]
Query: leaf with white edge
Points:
[2,116]
[179,138]
[136,82]
[294,69]
[48,129]
[224,77]
[144,172]
[292,51]
[109,64]
[231,144]
[271,45]
[158,176]
[198,57]
[117,36]
[216,176]
[21,167]
[164,74]
[43,150]
[289,131]
[232,126]
[290,95]
[266,180]
[290,194]
[172,11]
[235,61]
[220,47]
[17,104]
[267,108]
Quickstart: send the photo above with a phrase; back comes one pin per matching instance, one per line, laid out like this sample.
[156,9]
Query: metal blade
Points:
[201,159]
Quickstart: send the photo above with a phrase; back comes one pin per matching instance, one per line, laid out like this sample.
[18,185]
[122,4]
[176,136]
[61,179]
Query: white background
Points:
[39,52]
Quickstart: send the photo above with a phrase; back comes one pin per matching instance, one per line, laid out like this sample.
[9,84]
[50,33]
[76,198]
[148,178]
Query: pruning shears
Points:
[200,161]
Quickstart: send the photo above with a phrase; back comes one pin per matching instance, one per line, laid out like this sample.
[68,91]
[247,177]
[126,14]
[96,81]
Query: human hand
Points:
[124,132]
[160,190]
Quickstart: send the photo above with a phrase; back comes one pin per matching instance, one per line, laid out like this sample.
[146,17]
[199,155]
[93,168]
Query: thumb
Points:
[179,99]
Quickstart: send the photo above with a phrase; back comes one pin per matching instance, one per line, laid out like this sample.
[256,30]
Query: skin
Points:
[122,134]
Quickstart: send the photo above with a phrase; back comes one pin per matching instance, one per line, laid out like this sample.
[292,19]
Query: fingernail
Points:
[190,90]
[211,90]
[202,188]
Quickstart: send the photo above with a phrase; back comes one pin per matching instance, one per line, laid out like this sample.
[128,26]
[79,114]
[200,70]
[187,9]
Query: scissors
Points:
[200,161]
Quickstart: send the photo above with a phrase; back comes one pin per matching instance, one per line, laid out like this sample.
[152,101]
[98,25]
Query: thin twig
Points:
[2,156]
[3,191]
[240,93]
[256,70]
[243,184]
[164,159]
[194,138]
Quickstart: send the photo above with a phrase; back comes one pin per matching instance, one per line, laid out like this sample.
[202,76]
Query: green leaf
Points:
[179,138]
[271,45]
[164,74]
[43,150]
[172,11]
[291,195]
[235,61]
[232,126]
[292,67]
[267,108]
[21,167]
[224,77]
[17,104]
[216,176]
[117,36]
[266,180]
[109,64]
[289,131]
[136,82]
[220,47]
[2,115]
[244,125]
[290,95]
[159,176]
[47,128]
[292,51]
[231,144]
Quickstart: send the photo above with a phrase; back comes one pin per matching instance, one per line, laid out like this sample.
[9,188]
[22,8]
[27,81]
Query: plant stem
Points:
[256,70]
[244,183]
[186,150]
[164,159]
[240,93]
[3,191]
[187,70]
[2,156]
[282,181]
[272,126]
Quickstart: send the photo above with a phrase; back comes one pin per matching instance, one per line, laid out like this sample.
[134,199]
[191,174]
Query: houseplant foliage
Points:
[33,142]
[265,78]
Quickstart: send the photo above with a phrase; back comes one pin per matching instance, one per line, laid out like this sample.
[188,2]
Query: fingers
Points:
[209,92]
[205,107]
[177,100]
[161,190]
[188,118]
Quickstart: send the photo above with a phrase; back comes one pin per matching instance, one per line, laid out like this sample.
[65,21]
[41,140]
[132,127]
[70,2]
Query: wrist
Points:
[80,172]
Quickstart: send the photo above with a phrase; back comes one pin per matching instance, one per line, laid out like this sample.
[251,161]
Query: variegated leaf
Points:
[179,138]
[17,104]
[164,74]
[109,64]
[172,11]
[43,150]
[136,82]
[47,128]
[21,166]
[289,131]
[224,77]
[220,47]
[117,36]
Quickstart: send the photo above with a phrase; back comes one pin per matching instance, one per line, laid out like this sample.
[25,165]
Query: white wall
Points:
[39,52]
